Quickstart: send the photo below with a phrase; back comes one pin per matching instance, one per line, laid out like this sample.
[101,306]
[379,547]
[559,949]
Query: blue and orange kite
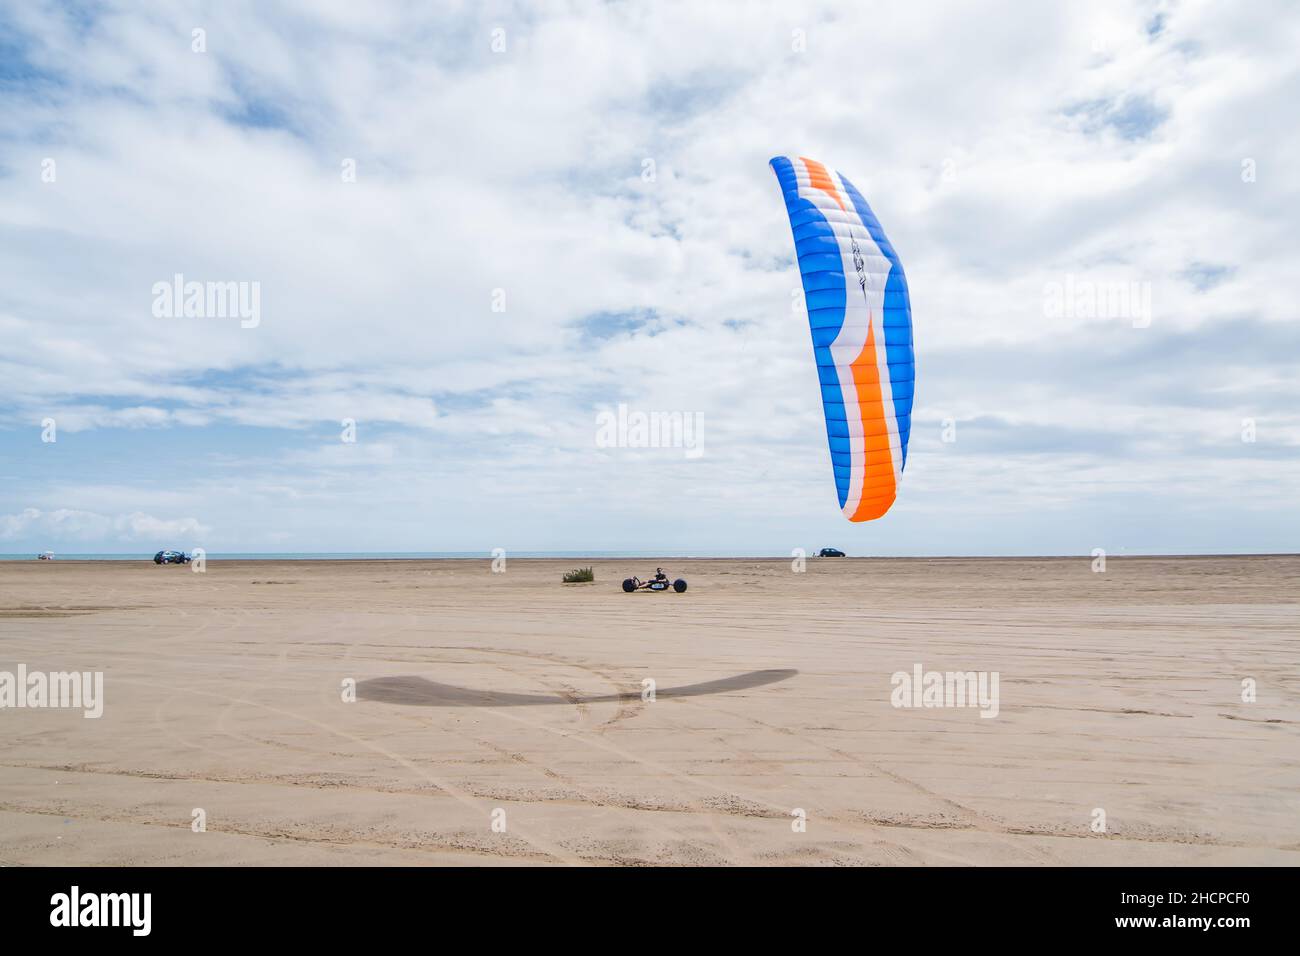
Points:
[861,324]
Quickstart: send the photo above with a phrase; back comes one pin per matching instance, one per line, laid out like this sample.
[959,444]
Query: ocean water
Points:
[385,555]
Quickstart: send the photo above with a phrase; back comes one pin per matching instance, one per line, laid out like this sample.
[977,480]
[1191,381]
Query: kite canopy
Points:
[861,323]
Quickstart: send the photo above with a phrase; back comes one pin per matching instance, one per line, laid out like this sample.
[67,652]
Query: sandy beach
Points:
[502,717]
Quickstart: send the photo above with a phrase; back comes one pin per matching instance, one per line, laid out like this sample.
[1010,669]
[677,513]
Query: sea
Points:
[386,555]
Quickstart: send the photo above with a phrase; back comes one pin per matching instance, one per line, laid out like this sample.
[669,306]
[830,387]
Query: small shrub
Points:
[578,575]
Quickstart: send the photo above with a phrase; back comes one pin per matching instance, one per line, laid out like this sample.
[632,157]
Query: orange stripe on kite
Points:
[879,486]
[821,179]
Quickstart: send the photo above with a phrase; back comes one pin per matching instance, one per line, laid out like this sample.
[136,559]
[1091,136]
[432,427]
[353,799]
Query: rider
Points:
[659,577]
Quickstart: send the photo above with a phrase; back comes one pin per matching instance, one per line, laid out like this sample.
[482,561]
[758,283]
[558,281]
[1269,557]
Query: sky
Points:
[466,234]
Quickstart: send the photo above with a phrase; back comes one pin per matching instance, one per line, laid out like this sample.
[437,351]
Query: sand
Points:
[510,698]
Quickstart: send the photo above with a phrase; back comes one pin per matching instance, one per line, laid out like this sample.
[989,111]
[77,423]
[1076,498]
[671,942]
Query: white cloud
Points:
[66,525]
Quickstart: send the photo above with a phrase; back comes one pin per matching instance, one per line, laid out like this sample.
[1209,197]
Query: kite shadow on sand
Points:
[420,692]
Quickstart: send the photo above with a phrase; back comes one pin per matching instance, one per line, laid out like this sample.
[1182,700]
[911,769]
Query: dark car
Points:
[171,557]
[830,553]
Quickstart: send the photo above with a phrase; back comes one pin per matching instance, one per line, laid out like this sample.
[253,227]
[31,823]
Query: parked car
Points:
[830,553]
[171,557]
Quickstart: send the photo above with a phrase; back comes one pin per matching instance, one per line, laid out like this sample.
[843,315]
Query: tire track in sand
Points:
[461,796]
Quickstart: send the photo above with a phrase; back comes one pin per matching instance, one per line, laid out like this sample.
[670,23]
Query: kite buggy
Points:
[657,583]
